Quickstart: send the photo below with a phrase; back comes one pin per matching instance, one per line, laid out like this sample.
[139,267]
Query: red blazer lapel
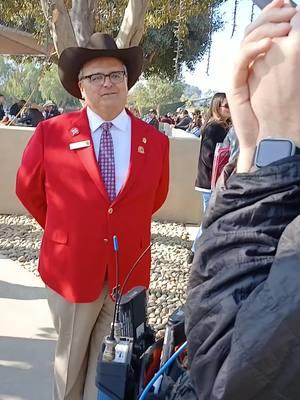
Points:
[80,131]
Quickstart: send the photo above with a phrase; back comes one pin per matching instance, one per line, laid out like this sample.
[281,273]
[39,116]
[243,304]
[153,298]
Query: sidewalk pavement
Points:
[27,336]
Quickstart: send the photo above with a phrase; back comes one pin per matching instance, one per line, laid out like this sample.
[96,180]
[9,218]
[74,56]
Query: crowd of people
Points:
[190,122]
[26,114]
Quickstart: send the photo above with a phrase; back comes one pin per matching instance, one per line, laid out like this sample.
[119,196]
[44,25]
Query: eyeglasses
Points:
[225,106]
[98,79]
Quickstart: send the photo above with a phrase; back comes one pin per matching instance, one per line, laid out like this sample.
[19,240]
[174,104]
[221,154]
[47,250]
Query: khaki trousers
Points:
[81,328]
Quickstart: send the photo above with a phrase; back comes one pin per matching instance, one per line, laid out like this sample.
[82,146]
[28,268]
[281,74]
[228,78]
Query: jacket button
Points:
[105,240]
[110,210]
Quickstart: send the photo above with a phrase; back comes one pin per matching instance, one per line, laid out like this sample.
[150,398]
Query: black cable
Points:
[130,272]
[116,248]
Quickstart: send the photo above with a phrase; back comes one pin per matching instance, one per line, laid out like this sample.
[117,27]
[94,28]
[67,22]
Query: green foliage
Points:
[166,22]
[18,80]
[25,15]
[160,45]
[51,88]
[171,107]
[4,71]
[156,91]
[192,92]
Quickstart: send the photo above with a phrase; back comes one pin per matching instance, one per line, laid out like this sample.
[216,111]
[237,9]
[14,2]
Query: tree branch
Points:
[132,27]
[60,24]
[83,19]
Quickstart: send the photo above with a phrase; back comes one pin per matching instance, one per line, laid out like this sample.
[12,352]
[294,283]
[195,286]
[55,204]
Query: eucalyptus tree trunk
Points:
[75,26]
[83,19]
[132,27]
[60,24]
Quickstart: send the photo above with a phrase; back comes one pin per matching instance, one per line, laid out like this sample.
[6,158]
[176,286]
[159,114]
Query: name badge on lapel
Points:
[80,145]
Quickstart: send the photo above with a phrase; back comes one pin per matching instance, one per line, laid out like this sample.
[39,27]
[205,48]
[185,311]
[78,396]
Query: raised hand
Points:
[273,22]
[275,86]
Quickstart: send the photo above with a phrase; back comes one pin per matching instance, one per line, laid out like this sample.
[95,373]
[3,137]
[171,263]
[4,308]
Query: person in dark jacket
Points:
[184,121]
[32,116]
[16,108]
[214,130]
[153,118]
[167,119]
[2,101]
[243,306]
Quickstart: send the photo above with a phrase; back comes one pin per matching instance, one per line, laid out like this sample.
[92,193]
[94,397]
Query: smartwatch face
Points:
[270,150]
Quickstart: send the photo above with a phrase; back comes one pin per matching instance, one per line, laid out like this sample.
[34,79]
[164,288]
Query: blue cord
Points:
[161,371]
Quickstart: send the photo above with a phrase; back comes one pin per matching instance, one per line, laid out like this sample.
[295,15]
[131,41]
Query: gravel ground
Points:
[20,240]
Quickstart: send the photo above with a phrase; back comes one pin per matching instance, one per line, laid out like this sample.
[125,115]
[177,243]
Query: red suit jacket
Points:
[63,190]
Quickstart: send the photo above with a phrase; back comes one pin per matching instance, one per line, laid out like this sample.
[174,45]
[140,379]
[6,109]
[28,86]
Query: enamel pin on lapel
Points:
[141,150]
[80,145]
[74,131]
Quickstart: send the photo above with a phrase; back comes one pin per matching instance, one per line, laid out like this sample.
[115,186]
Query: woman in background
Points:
[213,131]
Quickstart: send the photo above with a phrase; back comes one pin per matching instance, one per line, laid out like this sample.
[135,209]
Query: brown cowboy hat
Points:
[72,59]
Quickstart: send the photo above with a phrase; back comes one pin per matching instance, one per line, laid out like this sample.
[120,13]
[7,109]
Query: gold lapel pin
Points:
[75,131]
[141,150]
[144,140]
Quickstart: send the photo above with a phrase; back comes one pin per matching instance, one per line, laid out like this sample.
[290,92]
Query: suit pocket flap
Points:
[58,236]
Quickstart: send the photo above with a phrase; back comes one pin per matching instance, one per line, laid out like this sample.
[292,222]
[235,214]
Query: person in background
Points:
[243,304]
[213,131]
[31,116]
[16,108]
[2,101]
[231,140]
[50,109]
[195,125]
[178,115]
[87,176]
[184,122]
[153,118]
[167,118]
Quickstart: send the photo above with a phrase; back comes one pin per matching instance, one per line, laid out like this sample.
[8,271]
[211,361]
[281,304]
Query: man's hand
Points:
[273,22]
[275,87]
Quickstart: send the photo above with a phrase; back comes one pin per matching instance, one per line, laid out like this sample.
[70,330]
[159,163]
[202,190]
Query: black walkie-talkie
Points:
[116,376]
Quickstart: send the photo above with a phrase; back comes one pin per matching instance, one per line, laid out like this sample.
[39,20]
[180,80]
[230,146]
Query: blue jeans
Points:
[205,200]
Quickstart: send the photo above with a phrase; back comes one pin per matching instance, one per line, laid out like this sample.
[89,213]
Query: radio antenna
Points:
[115,331]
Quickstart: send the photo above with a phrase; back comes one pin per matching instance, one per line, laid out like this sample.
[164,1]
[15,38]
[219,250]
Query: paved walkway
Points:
[27,337]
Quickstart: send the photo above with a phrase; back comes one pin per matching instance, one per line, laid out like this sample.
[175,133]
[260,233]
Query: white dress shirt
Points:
[121,136]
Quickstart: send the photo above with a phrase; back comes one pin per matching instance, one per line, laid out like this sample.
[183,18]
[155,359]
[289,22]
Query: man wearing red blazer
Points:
[85,177]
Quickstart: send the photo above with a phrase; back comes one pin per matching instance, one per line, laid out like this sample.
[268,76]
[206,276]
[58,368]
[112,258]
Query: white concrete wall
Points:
[12,143]
[183,204]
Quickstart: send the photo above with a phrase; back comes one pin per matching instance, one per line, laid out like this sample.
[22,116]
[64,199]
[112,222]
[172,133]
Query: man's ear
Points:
[81,90]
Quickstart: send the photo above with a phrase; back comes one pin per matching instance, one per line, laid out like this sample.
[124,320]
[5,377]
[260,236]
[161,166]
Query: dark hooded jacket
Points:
[243,307]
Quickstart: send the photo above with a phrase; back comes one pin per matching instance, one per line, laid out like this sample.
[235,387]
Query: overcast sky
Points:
[223,49]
